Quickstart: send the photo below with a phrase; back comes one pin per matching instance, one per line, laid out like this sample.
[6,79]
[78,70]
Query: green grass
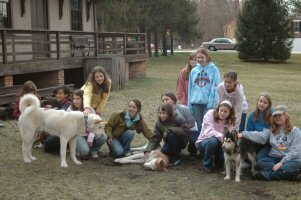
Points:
[101,179]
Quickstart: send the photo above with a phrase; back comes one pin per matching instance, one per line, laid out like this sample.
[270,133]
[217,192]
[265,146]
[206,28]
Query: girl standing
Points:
[284,158]
[203,82]
[183,80]
[230,89]
[88,142]
[173,131]
[209,142]
[96,90]
[120,130]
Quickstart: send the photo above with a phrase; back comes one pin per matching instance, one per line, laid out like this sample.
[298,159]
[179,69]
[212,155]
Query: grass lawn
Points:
[101,179]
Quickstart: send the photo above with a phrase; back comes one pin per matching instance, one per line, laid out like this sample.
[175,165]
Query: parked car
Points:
[219,44]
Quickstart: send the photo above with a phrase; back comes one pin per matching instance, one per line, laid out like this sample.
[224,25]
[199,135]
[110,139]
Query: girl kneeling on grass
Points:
[120,130]
[284,158]
[261,119]
[88,142]
[172,129]
[209,142]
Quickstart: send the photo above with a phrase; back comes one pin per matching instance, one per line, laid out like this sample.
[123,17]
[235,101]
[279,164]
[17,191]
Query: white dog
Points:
[156,161]
[66,125]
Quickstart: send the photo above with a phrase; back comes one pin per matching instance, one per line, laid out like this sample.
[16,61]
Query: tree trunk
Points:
[149,49]
[156,41]
[171,42]
[164,45]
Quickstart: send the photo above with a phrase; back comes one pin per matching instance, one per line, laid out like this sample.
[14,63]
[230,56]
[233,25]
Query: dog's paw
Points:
[237,180]
[64,165]
[227,178]
[27,160]
[118,160]
[77,162]
[33,158]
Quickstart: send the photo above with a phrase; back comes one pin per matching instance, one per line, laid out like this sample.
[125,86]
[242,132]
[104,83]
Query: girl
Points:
[209,142]
[28,87]
[62,94]
[203,82]
[230,89]
[182,111]
[173,131]
[260,119]
[183,80]
[87,143]
[284,158]
[120,130]
[96,90]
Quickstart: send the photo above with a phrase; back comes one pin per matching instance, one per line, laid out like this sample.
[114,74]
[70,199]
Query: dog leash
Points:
[86,122]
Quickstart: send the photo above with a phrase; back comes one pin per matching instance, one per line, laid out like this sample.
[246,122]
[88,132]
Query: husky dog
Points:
[157,161]
[66,125]
[231,154]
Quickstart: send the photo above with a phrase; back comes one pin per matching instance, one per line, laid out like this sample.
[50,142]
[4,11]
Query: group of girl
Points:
[206,106]
[216,105]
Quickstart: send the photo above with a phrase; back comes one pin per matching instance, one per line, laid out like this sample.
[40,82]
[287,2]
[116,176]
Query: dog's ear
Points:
[97,120]
[226,132]
[235,136]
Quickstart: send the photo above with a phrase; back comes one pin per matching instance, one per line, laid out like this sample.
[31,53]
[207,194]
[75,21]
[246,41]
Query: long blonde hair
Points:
[268,111]
[287,128]
[188,67]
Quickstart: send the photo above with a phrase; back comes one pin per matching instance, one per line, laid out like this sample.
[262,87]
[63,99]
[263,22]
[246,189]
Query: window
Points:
[297,27]
[76,15]
[5,14]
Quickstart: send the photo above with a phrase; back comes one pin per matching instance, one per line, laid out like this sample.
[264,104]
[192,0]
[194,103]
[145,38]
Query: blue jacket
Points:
[257,125]
[203,82]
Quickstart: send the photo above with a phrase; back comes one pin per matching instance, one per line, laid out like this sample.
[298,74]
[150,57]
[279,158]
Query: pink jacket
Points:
[211,128]
[182,88]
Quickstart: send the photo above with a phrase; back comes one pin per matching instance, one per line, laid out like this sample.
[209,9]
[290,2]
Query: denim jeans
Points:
[193,136]
[52,144]
[82,147]
[121,145]
[173,146]
[288,171]
[242,122]
[198,112]
[213,152]
[263,151]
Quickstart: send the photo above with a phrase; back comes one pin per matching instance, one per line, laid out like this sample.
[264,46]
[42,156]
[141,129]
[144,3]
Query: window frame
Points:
[80,12]
[8,14]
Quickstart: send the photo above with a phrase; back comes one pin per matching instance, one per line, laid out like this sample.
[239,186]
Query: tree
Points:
[264,30]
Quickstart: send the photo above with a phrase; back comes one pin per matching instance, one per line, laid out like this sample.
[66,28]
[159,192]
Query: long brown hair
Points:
[231,119]
[268,111]
[288,125]
[188,67]
[232,75]
[105,86]
[80,94]
[167,108]
[205,52]
[28,87]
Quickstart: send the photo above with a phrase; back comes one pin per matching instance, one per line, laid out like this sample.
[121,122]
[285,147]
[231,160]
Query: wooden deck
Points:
[30,51]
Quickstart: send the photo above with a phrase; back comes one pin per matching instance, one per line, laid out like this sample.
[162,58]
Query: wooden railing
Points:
[28,45]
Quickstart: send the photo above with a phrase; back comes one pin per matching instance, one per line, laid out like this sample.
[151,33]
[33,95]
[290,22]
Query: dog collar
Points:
[86,122]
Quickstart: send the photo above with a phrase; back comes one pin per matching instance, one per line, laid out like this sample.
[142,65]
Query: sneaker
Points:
[127,154]
[1,125]
[175,162]
[207,170]
[258,176]
[94,154]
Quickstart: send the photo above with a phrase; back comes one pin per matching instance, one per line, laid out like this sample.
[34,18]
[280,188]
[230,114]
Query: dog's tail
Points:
[28,102]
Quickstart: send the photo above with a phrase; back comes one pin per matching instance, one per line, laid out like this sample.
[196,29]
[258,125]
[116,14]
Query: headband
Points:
[227,102]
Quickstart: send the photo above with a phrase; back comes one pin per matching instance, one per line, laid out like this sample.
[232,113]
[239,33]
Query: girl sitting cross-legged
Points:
[88,142]
[210,139]
[284,158]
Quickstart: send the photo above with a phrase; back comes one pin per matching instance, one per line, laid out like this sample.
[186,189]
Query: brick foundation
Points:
[42,79]
[6,81]
[137,70]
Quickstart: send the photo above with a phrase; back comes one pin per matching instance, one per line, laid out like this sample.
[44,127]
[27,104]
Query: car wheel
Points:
[212,48]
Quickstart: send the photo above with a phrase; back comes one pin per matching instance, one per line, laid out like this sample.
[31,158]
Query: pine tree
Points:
[264,30]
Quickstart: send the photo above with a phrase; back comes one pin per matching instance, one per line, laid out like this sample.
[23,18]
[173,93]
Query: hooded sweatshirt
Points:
[203,82]
[285,146]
